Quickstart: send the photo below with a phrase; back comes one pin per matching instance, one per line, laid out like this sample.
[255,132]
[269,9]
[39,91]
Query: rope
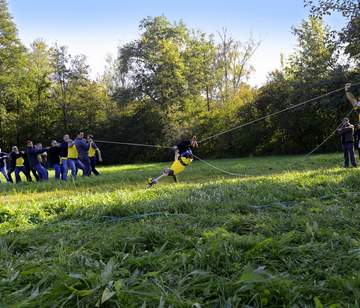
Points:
[321,144]
[274,113]
[289,167]
[134,144]
[141,216]
[219,169]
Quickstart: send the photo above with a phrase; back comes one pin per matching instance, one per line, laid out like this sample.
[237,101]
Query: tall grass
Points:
[275,238]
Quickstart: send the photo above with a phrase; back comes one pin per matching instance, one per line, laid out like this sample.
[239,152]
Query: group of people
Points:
[81,153]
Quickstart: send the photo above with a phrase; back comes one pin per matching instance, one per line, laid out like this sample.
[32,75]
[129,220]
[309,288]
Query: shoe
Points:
[151,182]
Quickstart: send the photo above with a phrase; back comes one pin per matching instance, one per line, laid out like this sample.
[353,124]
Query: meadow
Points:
[273,238]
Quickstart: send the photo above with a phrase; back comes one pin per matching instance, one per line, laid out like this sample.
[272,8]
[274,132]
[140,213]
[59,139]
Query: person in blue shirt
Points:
[3,158]
[64,157]
[32,153]
[83,150]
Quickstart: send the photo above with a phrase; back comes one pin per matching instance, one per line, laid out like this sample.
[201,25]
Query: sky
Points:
[96,28]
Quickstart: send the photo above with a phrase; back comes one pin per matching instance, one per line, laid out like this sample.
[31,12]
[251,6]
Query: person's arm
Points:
[350,96]
[99,154]
[40,151]
[346,129]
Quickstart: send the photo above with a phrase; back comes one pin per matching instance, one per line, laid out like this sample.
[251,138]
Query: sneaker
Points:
[151,182]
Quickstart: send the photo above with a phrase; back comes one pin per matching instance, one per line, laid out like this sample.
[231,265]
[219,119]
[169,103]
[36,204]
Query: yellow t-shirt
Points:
[178,167]
[20,162]
[91,151]
[72,152]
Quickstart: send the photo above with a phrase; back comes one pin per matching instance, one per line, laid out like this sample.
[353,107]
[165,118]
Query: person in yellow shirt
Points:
[93,150]
[73,158]
[18,159]
[183,158]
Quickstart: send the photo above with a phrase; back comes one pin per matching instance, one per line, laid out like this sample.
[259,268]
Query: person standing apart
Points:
[346,131]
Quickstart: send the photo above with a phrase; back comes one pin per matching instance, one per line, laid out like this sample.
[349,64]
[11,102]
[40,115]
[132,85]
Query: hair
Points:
[91,136]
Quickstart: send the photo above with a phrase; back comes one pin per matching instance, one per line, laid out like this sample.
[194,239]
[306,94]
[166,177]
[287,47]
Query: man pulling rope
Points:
[183,158]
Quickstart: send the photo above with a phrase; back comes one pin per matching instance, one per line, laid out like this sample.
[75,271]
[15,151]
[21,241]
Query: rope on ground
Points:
[141,216]
[134,144]
[219,169]
[274,114]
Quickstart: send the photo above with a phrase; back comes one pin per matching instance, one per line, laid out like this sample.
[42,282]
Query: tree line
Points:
[173,82]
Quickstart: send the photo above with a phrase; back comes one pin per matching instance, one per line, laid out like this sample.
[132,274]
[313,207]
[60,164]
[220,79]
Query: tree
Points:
[12,78]
[68,74]
[233,61]
[154,64]
[350,9]
[316,53]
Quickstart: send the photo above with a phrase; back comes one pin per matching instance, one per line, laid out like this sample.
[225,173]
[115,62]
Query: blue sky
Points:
[96,27]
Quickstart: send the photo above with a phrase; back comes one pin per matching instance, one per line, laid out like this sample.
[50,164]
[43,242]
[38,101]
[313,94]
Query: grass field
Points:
[272,239]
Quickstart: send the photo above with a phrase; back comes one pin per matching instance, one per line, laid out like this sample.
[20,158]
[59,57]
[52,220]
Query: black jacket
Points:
[347,134]
[54,156]
[32,155]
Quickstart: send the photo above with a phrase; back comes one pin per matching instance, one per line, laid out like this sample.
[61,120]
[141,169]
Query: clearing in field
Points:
[273,238]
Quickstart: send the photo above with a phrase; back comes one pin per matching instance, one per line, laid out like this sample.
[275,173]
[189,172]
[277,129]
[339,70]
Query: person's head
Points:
[346,121]
[194,143]
[54,143]
[69,141]
[66,138]
[90,138]
[15,149]
[81,135]
[38,146]
[29,144]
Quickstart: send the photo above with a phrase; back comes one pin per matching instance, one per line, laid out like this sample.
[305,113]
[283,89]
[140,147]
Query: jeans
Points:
[93,165]
[64,169]
[73,164]
[4,173]
[57,169]
[349,152]
[87,166]
[41,170]
[17,173]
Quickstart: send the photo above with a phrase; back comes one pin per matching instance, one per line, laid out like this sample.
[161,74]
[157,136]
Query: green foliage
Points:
[351,11]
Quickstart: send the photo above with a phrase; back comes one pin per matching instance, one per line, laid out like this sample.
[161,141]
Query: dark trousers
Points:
[17,173]
[34,173]
[349,153]
[26,171]
[93,165]
[87,167]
